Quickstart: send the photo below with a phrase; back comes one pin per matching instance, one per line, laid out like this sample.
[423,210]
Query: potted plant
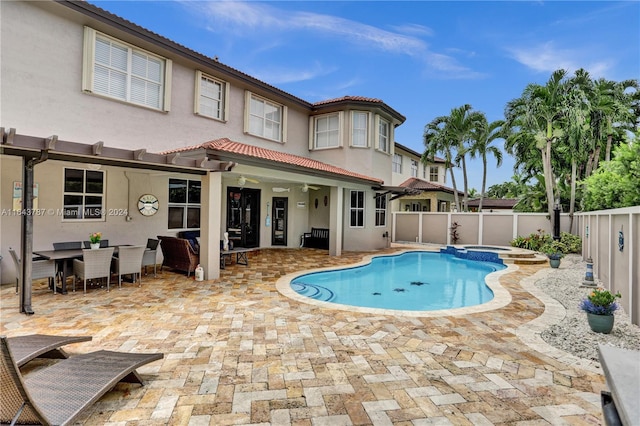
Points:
[94,240]
[600,305]
[555,251]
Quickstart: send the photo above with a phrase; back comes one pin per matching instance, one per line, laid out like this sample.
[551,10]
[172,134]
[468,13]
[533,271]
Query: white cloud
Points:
[242,18]
[283,75]
[547,57]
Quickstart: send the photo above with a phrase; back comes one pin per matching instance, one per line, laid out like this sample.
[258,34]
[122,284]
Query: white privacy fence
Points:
[611,238]
[616,266]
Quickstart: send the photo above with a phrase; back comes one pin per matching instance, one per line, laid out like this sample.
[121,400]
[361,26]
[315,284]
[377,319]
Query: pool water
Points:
[413,281]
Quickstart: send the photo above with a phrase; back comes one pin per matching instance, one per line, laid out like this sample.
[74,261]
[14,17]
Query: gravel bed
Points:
[573,333]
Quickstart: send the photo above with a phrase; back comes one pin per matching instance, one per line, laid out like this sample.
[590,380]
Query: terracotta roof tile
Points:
[505,203]
[229,146]
[347,99]
[415,183]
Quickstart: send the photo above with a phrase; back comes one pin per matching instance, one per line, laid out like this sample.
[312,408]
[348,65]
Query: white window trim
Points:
[363,209]
[367,128]
[184,205]
[415,167]
[103,217]
[377,135]
[438,174]
[247,113]
[88,70]
[393,163]
[225,103]
[312,131]
[385,210]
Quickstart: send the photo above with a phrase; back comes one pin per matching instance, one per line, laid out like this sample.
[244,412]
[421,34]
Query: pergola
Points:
[35,150]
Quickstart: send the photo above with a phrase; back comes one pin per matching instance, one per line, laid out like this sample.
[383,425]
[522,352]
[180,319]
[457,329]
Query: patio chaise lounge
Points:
[26,348]
[60,393]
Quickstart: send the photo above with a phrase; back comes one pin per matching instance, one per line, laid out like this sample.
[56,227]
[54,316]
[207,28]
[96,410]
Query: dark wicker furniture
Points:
[178,254]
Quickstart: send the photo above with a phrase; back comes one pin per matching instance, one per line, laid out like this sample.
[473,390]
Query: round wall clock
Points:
[148,205]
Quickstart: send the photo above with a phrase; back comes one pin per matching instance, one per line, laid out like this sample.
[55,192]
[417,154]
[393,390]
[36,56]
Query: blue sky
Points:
[422,58]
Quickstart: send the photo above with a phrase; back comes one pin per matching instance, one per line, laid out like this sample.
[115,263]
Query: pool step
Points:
[524,259]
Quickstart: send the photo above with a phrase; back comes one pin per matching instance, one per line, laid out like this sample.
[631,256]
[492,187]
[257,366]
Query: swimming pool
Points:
[412,281]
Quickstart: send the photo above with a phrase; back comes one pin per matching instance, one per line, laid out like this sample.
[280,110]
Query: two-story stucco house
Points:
[108,116]
[428,182]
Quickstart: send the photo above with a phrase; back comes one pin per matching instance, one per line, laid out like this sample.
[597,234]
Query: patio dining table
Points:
[64,256]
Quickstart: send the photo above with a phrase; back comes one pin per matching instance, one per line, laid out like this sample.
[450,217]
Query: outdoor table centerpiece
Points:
[600,306]
[94,240]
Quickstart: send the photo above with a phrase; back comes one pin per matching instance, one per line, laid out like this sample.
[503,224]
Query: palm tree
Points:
[437,140]
[535,117]
[460,125]
[483,134]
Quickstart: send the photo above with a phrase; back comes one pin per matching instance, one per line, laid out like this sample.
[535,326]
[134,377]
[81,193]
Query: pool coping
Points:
[501,296]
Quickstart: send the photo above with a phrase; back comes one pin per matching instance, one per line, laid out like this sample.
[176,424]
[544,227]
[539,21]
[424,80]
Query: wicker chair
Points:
[129,261]
[60,393]
[103,244]
[39,269]
[26,348]
[66,245]
[150,255]
[94,264]
[178,254]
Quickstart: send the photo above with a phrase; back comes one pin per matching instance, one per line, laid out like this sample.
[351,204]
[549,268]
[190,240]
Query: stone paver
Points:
[239,352]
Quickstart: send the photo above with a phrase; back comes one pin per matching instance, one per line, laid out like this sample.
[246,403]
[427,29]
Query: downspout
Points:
[128,217]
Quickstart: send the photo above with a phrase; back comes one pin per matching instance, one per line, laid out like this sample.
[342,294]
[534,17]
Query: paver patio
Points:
[238,352]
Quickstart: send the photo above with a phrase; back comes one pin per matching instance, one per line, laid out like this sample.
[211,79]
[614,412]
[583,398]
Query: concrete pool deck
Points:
[239,352]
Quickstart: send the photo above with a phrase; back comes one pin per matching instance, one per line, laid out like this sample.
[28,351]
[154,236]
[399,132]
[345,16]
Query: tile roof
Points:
[496,203]
[349,99]
[415,183]
[416,153]
[226,145]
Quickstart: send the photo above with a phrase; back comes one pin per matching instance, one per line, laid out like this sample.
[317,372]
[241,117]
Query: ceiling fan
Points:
[306,188]
[243,180]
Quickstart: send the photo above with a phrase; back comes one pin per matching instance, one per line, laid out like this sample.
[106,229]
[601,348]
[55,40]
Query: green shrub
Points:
[533,242]
[572,242]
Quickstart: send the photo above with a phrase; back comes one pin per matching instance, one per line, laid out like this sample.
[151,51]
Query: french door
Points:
[243,216]
[279,225]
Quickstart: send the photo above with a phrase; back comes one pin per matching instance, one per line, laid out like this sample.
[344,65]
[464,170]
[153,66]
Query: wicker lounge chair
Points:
[59,394]
[26,348]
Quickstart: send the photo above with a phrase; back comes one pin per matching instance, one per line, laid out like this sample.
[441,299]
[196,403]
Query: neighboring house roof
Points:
[494,203]
[412,152]
[359,100]
[226,149]
[422,185]
[129,27]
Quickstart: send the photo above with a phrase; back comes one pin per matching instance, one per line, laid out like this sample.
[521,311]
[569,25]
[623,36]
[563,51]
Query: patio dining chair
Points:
[94,264]
[40,268]
[65,245]
[150,255]
[129,261]
[103,244]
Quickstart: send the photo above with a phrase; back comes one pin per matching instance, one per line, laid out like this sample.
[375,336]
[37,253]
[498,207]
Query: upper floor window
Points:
[327,131]
[356,209]
[414,168]
[211,96]
[184,204]
[397,163]
[360,125]
[265,118]
[121,71]
[83,194]
[384,135]
[434,173]
[381,210]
